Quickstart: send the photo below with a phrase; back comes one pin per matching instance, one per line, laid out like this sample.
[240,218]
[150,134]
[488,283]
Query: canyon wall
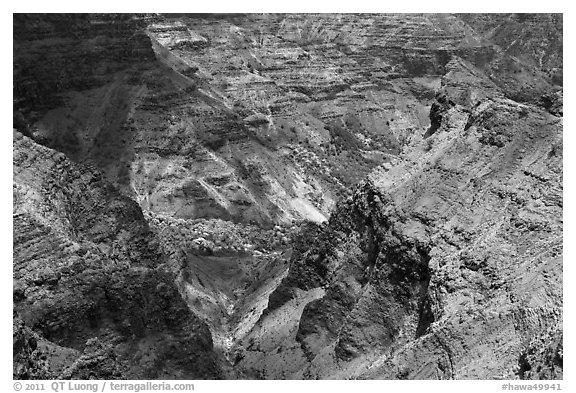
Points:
[257,119]
[90,280]
[288,196]
[447,265]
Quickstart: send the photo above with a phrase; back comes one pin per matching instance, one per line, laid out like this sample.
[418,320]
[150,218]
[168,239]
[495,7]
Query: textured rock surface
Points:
[89,276]
[262,119]
[228,271]
[288,196]
[446,265]
[27,362]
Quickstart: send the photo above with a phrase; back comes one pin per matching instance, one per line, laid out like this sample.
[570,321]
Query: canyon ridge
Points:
[287,196]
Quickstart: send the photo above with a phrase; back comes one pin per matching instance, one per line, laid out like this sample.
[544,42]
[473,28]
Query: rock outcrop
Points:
[446,265]
[90,280]
[288,196]
[260,119]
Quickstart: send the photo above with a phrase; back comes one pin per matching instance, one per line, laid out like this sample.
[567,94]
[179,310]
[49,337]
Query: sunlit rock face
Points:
[288,196]
[91,281]
[445,265]
[263,119]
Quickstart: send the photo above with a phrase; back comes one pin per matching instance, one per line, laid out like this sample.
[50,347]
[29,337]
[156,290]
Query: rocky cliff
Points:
[288,196]
[90,281]
[445,265]
[263,119]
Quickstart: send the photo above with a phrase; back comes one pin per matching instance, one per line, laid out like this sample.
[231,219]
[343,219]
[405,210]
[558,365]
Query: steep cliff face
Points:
[164,164]
[90,280]
[77,52]
[445,265]
[255,118]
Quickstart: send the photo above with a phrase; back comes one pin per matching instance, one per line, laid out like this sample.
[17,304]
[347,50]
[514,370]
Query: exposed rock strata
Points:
[258,118]
[446,265]
[149,249]
[90,280]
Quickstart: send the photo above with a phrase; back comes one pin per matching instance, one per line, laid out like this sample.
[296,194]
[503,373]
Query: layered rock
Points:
[148,248]
[445,265]
[267,144]
[89,278]
[256,118]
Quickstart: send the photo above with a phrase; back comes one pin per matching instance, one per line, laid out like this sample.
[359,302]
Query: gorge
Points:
[287,196]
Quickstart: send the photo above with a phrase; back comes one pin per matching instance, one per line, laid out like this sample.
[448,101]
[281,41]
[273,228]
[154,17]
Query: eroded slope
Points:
[89,278]
[253,118]
[445,265]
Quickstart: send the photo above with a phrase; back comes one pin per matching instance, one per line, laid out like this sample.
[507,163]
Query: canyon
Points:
[288,196]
